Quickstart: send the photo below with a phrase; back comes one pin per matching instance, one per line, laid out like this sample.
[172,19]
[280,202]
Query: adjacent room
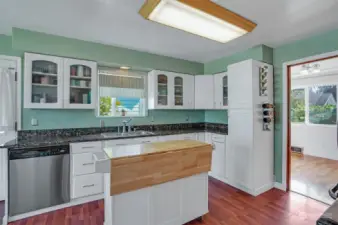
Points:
[314,155]
[168,112]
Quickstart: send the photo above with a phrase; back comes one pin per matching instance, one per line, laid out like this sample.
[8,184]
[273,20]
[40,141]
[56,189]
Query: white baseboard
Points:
[263,189]
[218,178]
[280,186]
[4,221]
[73,202]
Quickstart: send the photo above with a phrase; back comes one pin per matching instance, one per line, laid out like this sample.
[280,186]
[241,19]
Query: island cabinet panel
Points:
[132,173]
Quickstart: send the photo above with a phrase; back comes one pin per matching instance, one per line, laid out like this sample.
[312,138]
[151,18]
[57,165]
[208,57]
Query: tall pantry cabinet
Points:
[250,147]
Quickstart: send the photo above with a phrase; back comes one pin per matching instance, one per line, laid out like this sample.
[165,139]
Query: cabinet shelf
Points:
[44,85]
[45,74]
[80,78]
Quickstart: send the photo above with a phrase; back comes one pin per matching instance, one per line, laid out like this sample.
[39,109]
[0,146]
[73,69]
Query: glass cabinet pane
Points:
[44,82]
[178,87]
[80,84]
[162,90]
[225,91]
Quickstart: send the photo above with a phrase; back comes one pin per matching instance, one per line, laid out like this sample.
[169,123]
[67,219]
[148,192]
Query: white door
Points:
[204,92]
[221,91]
[240,143]
[80,84]
[43,84]
[218,160]
[189,92]
[165,203]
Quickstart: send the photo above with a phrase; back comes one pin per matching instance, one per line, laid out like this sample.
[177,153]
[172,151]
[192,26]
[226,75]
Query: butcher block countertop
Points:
[137,166]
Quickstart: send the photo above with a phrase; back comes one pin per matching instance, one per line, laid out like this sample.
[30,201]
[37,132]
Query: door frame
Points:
[17,60]
[286,122]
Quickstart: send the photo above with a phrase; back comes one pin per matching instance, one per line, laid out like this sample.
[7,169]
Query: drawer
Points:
[188,136]
[218,138]
[87,185]
[127,141]
[145,140]
[84,147]
[82,164]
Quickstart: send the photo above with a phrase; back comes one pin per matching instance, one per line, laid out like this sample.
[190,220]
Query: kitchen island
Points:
[162,183]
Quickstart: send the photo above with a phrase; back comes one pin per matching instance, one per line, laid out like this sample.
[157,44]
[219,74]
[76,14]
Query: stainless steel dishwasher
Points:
[38,178]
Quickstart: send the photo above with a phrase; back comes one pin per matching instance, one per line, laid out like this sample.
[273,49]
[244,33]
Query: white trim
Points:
[19,86]
[285,104]
[280,186]
[74,202]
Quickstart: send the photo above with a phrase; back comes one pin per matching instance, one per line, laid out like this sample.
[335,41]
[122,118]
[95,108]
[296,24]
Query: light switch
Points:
[34,122]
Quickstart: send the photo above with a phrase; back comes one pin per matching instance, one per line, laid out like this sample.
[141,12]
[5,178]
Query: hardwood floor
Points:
[227,205]
[313,176]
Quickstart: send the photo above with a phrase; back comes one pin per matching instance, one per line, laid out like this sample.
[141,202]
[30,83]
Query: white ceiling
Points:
[117,22]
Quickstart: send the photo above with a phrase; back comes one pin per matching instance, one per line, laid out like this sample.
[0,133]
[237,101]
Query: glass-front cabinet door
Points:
[162,90]
[80,84]
[225,91]
[178,91]
[43,87]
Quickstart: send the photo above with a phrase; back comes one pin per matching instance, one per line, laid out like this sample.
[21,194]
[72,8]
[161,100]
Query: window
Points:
[323,104]
[298,105]
[122,92]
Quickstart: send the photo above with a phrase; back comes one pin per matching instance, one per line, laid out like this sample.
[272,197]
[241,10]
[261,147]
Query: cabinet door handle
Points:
[87,164]
[87,186]
[213,147]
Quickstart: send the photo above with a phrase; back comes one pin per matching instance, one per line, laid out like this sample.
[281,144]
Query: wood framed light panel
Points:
[223,25]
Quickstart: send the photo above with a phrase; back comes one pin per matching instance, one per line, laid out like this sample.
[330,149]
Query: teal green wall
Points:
[216,116]
[326,42]
[28,41]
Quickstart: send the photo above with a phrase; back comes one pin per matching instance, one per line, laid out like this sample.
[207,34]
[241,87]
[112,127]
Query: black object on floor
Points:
[333,192]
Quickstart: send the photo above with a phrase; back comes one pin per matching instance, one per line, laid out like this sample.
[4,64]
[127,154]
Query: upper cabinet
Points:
[79,83]
[43,86]
[55,82]
[168,90]
[221,90]
[204,92]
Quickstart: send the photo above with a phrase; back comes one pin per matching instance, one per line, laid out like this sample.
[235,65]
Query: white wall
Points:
[317,140]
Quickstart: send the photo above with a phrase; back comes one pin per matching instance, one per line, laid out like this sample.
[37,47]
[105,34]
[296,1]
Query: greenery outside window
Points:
[323,104]
[122,93]
[298,105]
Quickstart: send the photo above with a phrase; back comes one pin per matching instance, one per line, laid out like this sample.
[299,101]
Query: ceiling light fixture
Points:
[201,17]
[124,67]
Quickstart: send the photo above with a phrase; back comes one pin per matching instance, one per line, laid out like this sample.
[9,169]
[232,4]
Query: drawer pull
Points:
[120,144]
[87,186]
[88,147]
[145,141]
[87,164]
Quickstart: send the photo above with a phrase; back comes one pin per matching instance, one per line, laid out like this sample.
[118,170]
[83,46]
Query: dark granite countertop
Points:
[35,140]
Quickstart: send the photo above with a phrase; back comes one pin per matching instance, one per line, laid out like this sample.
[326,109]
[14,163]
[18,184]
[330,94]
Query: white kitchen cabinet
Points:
[201,137]
[130,208]
[79,84]
[250,148]
[165,203]
[219,157]
[3,176]
[43,81]
[169,90]
[194,197]
[86,185]
[221,90]
[56,82]
[204,92]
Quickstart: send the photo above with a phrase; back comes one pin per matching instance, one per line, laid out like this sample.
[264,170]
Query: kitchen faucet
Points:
[125,122]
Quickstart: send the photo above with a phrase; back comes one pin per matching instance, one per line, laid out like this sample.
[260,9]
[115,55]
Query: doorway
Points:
[312,145]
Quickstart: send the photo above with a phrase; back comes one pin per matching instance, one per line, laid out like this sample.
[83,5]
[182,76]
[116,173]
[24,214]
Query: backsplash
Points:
[27,134]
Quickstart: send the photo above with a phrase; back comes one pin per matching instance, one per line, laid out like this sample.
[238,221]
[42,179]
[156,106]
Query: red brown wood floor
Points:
[227,206]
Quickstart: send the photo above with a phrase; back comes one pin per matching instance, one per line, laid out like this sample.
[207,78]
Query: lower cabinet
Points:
[219,157]
[87,185]
[172,203]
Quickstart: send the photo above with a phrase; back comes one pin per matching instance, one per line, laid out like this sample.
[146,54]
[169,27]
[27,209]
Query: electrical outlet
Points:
[34,122]
[187,118]
[152,119]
